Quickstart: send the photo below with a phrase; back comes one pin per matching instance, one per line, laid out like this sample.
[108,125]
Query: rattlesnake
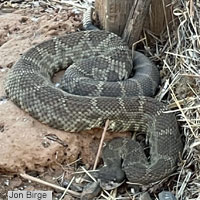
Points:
[104,86]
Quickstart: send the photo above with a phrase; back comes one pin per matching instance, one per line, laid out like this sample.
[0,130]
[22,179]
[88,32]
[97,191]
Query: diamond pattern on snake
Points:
[103,81]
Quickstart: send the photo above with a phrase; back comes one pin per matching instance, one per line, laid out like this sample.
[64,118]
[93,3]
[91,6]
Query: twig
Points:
[37,180]
[165,15]
[67,189]
[180,108]
[88,174]
[186,180]
[101,144]
[191,8]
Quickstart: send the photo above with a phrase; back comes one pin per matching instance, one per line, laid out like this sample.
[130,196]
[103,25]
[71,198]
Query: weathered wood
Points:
[135,21]
[127,17]
[160,15]
[113,14]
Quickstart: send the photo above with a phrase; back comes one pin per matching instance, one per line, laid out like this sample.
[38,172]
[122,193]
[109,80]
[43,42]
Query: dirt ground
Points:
[26,145]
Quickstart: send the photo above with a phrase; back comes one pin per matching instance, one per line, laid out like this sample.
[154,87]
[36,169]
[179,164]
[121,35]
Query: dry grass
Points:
[181,90]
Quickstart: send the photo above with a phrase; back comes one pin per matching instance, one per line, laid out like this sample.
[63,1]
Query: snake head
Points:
[111,177]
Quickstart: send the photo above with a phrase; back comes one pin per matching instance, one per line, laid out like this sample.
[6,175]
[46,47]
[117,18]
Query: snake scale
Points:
[100,83]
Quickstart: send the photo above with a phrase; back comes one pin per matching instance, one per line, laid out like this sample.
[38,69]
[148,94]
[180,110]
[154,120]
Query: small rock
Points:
[166,195]
[7,182]
[90,191]
[15,182]
[145,196]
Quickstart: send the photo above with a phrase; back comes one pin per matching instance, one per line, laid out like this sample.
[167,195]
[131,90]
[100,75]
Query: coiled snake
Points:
[99,84]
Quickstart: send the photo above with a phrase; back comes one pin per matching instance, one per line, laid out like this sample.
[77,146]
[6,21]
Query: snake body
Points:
[99,84]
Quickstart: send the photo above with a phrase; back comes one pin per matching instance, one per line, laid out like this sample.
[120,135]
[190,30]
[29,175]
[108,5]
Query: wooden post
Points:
[160,15]
[127,18]
[135,21]
[113,14]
